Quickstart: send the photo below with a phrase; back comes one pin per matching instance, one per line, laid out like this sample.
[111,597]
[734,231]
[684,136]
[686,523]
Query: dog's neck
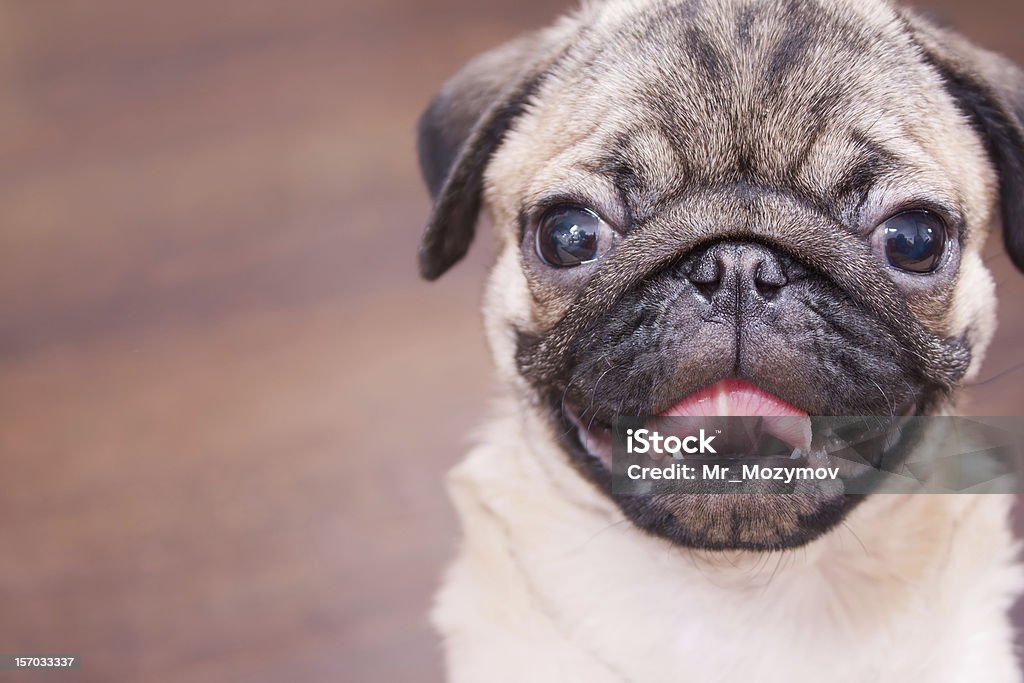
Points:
[573,559]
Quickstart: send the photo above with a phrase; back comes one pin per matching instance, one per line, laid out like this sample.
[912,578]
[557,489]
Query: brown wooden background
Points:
[210,319]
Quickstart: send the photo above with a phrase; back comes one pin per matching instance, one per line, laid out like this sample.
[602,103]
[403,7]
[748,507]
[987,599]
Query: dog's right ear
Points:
[460,131]
[990,91]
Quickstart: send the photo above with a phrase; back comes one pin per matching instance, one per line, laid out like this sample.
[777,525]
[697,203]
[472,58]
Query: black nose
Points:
[731,272]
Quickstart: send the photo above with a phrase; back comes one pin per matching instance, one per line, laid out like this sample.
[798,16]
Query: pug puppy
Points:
[765,207]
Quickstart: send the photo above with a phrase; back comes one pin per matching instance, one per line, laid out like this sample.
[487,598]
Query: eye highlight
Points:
[914,241]
[569,236]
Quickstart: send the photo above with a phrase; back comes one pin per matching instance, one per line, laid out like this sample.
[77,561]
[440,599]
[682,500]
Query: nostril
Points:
[766,290]
[708,289]
[705,274]
[769,281]
[706,280]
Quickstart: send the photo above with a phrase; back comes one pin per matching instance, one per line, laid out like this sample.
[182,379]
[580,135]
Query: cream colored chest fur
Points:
[552,584]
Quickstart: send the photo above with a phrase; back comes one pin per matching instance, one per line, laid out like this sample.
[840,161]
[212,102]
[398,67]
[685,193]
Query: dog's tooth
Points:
[795,455]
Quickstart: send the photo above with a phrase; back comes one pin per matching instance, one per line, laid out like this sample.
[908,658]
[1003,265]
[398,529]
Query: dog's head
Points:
[776,206]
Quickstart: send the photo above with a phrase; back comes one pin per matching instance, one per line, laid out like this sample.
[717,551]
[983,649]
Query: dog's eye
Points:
[915,241]
[568,236]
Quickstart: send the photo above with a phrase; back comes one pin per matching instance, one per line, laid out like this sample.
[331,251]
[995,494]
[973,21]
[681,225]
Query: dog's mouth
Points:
[773,429]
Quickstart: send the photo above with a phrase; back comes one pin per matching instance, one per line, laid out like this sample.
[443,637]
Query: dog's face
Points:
[761,207]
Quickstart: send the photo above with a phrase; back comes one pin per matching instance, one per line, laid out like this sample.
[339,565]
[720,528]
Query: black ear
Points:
[990,91]
[460,131]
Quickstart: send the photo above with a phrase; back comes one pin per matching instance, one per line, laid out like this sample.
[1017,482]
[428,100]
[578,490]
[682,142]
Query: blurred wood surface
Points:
[212,333]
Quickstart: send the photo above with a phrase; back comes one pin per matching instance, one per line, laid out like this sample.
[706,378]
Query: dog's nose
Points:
[737,271]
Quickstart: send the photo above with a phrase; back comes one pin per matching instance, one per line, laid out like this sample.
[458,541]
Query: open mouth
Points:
[772,429]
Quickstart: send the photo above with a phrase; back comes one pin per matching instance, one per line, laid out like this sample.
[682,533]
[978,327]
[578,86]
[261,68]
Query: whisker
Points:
[854,534]
[888,403]
[997,376]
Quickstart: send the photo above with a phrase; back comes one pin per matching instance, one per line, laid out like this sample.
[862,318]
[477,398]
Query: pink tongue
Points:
[736,398]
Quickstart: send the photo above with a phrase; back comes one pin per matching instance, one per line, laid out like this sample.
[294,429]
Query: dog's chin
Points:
[713,516]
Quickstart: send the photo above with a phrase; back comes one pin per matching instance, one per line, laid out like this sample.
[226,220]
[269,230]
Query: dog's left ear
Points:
[460,131]
[990,91]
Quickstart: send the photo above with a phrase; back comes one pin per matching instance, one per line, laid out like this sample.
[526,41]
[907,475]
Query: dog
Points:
[769,207]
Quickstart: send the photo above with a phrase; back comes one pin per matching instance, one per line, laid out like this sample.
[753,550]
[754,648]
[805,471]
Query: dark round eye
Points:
[915,241]
[568,236]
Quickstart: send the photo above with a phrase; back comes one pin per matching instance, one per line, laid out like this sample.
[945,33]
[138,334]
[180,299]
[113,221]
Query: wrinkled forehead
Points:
[830,99]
